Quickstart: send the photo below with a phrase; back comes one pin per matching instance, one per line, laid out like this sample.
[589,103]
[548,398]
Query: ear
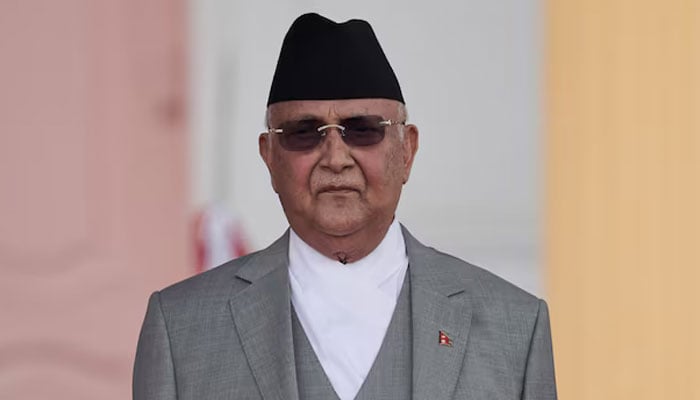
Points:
[265,150]
[410,147]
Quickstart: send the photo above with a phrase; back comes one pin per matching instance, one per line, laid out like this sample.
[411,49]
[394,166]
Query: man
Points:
[346,304]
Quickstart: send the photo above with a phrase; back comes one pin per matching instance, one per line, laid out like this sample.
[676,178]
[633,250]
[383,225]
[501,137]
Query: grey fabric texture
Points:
[227,333]
[389,378]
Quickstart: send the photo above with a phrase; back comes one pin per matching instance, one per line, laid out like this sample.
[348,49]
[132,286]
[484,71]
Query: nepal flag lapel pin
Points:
[444,340]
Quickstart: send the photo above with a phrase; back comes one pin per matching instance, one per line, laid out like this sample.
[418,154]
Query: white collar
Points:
[313,269]
[345,310]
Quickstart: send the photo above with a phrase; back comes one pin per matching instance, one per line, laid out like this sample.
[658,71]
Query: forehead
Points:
[331,110]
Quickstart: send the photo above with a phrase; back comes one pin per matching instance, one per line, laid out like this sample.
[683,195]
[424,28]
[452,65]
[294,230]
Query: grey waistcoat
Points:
[390,375]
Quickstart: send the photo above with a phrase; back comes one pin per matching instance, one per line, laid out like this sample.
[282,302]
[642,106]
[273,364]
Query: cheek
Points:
[291,175]
[384,173]
[394,167]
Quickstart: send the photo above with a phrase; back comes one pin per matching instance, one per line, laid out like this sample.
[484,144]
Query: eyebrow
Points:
[305,118]
[316,118]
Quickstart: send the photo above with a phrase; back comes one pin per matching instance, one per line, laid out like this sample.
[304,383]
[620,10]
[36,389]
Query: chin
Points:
[339,226]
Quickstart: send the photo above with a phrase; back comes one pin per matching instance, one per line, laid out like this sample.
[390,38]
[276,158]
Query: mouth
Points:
[337,189]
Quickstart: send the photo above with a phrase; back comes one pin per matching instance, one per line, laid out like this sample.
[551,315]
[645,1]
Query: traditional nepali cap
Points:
[324,60]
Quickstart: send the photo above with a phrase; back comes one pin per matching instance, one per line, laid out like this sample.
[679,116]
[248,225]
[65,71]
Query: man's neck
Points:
[346,248]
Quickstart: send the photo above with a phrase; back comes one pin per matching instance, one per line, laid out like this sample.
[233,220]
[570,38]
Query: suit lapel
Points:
[439,304]
[262,316]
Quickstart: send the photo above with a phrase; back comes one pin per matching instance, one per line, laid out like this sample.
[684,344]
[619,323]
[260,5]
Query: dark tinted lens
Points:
[363,131]
[300,135]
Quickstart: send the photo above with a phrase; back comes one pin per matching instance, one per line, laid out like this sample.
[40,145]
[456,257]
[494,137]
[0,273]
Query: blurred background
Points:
[559,148]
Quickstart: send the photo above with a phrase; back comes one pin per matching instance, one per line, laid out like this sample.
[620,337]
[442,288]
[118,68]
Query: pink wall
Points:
[93,195]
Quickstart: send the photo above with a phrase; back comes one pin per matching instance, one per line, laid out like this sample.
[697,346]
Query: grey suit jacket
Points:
[227,334]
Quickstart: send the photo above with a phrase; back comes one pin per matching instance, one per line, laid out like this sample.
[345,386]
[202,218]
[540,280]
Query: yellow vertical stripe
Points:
[623,197]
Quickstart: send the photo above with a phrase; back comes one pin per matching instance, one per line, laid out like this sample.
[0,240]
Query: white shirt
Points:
[345,310]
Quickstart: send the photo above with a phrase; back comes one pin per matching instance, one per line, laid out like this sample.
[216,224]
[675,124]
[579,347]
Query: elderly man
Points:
[346,304]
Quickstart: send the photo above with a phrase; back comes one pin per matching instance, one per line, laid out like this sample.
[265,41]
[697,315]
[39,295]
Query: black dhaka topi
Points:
[324,60]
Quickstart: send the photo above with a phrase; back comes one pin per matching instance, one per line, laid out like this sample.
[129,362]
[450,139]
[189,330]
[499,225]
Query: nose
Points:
[335,153]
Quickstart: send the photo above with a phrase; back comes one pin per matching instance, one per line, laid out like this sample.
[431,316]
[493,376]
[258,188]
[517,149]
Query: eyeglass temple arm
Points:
[389,122]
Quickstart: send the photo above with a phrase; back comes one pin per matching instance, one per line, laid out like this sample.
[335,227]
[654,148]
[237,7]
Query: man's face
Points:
[336,189]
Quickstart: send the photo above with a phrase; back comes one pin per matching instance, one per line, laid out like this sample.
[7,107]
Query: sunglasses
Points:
[305,134]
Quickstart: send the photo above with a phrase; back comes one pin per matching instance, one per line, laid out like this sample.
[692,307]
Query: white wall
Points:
[470,75]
